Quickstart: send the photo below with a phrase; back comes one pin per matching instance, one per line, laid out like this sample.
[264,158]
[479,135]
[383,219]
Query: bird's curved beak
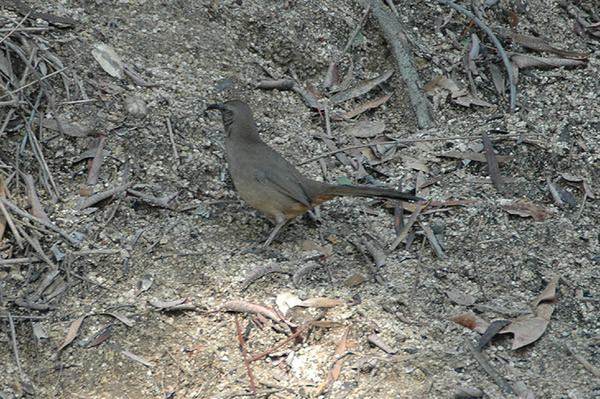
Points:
[213,106]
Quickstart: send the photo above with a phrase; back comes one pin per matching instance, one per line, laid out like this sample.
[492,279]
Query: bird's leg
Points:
[280,225]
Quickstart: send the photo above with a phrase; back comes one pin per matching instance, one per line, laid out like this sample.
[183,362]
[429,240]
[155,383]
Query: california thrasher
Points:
[269,183]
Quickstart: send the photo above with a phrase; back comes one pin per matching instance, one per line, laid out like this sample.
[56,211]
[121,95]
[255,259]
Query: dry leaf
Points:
[366,129]
[528,209]
[365,107]
[460,298]
[321,302]
[73,331]
[529,61]
[529,328]
[472,321]
[109,60]
[549,293]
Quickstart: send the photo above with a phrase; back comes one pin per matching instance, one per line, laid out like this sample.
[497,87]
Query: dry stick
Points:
[589,367]
[18,261]
[494,39]
[39,155]
[40,80]
[96,163]
[35,244]
[394,34]
[32,83]
[36,205]
[49,225]
[492,162]
[489,369]
[13,341]
[403,141]
[245,353]
[6,120]
[418,268]
[12,225]
[16,27]
[172,137]
[404,232]
[473,249]
[89,201]
[357,29]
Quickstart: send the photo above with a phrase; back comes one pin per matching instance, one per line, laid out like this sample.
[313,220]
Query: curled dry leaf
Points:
[472,321]
[381,344]
[247,307]
[259,272]
[580,180]
[528,209]
[304,270]
[549,293]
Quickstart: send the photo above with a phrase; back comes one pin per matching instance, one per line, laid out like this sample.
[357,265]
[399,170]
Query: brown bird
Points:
[269,183]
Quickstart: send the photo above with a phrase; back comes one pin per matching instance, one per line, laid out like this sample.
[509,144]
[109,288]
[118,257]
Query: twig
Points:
[494,39]
[588,366]
[16,27]
[489,369]
[492,162]
[34,200]
[175,154]
[49,225]
[245,354]
[18,261]
[11,223]
[13,341]
[32,83]
[357,29]
[96,162]
[89,201]
[394,34]
[473,252]
[404,232]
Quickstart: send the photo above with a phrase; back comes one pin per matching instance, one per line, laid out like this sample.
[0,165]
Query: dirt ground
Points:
[135,255]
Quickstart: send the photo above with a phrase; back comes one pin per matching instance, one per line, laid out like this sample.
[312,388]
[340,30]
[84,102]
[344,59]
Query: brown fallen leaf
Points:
[73,331]
[336,369]
[365,107]
[321,302]
[529,328]
[528,209]
[471,321]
